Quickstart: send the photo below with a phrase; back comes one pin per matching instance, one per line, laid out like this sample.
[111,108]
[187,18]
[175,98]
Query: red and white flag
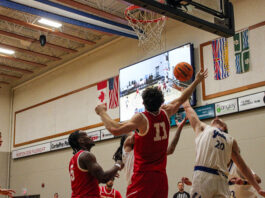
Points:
[102,92]
[114,92]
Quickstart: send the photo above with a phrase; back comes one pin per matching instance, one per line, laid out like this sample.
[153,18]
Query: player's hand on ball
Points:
[100,108]
[201,75]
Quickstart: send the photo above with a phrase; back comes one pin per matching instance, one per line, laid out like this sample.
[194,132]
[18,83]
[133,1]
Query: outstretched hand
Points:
[201,75]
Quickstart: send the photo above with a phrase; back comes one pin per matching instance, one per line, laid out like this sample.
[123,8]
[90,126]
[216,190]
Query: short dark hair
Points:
[180,182]
[73,141]
[153,98]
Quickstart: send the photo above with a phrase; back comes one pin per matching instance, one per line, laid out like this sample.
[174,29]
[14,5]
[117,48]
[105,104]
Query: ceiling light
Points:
[6,51]
[49,23]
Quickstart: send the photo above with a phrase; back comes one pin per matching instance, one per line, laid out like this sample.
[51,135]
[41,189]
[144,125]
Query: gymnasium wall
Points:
[4,128]
[52,168]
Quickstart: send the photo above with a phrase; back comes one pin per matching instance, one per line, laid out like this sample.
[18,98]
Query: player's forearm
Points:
[109,174]
[108,122]
[188,91]
[245,170]
[174,142]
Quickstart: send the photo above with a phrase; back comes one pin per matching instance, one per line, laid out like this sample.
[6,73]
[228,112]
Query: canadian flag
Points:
[102,92]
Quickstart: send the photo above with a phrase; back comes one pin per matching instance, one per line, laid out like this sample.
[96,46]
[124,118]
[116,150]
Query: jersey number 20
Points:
[158,126]
[220,145]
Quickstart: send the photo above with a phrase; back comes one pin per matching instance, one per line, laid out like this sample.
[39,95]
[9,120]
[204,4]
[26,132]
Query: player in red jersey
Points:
[149,179]
[85,172]
[109,192]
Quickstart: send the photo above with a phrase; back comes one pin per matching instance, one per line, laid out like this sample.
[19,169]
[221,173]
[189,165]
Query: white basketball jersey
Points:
[240,191]
[213,149]
[128,160]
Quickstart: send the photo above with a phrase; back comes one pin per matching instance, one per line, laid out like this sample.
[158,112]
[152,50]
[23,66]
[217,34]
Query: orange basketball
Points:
[183,71]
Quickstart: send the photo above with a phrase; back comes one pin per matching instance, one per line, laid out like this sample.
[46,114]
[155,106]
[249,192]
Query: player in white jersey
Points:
[214,149]
[238,185]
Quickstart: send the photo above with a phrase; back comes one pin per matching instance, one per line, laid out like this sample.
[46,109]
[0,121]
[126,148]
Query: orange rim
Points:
[133,7]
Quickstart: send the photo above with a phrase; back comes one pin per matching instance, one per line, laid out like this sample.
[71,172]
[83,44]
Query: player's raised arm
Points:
[172,146]
[88,161]
[175,104]
[236,157]
[101,110]
[193,118]
[116,128]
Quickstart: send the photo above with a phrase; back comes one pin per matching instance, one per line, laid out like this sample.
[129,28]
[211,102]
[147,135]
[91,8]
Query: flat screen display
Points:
[155,71]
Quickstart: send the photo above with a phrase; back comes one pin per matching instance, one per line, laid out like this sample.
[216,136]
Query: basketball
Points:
[183,71]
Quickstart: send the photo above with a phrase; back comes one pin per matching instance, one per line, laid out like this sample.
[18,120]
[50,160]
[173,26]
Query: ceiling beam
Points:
[18,49]
[40,28]
[22,61]
[17,36]
[4,82]
[9,68]
[10,76]
[94,11]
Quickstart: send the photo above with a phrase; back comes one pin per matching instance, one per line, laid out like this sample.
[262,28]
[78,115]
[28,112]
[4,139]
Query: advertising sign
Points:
[43,148]
[226,107]
[251,101]
[105,134]
[59,144]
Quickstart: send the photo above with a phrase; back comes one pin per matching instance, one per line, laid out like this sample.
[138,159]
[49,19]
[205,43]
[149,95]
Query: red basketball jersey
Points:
[83,184]
[105,193]
[150,149]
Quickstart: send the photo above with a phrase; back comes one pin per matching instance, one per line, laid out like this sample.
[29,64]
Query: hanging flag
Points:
[102,92]
[220,58]
[241,47]
[114,92]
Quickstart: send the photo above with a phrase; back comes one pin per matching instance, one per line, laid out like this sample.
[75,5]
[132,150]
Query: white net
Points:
[148,26]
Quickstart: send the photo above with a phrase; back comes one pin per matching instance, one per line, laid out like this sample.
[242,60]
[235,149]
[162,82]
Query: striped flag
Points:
[241,47]
[220,58]
[113,92]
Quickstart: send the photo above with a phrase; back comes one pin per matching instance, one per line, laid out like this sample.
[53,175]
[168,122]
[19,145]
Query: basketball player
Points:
[125,151]
[214,149]
[149,179]
[109,192]
[85,172]
[238,185]
[7,192]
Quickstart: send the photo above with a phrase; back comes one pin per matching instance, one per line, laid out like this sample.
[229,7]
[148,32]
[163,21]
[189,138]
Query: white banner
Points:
[251,101]
[226,107]
[43,148]
[59,144]
[105,134]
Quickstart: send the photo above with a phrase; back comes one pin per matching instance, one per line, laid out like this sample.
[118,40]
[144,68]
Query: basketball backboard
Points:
[215,16]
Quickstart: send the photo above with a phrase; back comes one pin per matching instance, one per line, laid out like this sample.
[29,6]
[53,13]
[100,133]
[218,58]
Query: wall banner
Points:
[59,144]
[105,135]
[226,107]
[251,101]
[43,148]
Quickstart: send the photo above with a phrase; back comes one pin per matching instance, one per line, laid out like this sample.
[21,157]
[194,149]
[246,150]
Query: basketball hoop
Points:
[147,25]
